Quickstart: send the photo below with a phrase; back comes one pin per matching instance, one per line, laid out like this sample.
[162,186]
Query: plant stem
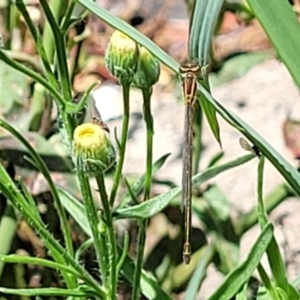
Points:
[148,180]
[261,212]
[91,213]
[150,131]
[122,148]
[111,237]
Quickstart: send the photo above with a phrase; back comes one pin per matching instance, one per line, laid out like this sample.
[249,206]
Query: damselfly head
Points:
[191,67]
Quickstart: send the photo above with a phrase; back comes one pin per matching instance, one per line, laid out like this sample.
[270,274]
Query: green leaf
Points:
[205,16]
[204,20]
[21,259]
[211,116]
[75,208]
[149,286]
[282,27]
[214,159]
[45,292]
[122,26]
[291,175]
[235,279]
[274,256]
[153,206]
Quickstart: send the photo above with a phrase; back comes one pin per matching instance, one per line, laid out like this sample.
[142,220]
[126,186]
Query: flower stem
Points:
[99,239]
[118,173]
[148,180]
[112,252]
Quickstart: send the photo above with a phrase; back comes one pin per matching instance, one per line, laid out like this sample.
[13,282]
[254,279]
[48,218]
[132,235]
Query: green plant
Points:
[54,79]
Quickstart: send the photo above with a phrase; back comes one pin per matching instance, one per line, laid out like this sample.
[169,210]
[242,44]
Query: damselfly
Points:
[189,73]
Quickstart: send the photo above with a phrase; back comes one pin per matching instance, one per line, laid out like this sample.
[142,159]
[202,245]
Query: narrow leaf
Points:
[205,17]
[149,286]
[235,279]
[45,292]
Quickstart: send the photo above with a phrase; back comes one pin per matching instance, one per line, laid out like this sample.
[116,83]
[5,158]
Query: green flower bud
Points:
[121,57]
[148,70]
[93,151]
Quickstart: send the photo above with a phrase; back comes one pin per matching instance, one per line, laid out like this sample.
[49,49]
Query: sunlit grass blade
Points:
[39,292]
[149,287]
[21,259]
[274,256]
[205,17]
[235,279]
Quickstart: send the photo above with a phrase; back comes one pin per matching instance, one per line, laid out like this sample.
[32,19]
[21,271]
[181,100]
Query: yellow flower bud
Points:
[93,151]
[148,70]
[121,57]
